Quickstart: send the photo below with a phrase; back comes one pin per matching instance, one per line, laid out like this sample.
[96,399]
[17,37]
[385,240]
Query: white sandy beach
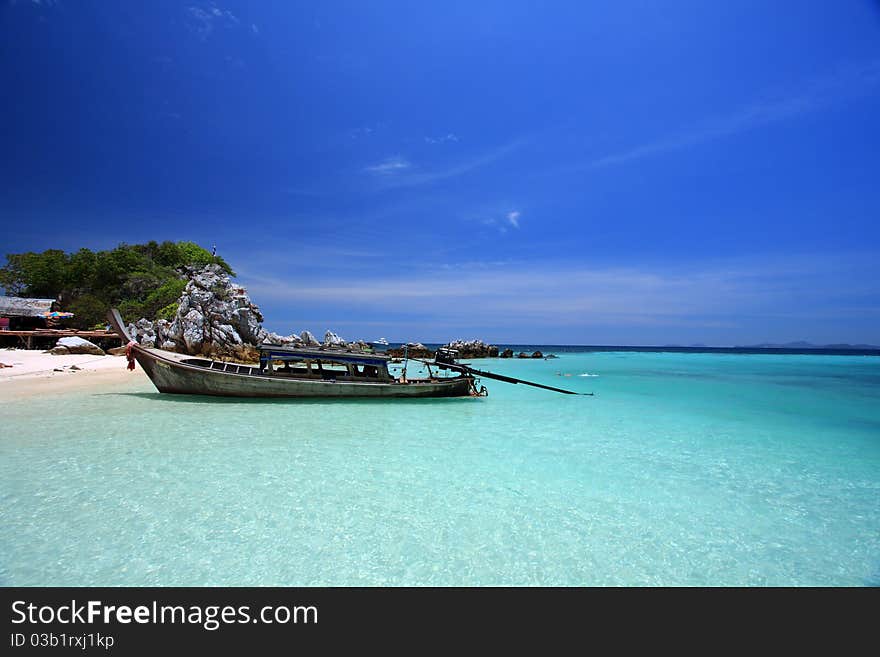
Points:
[37,372]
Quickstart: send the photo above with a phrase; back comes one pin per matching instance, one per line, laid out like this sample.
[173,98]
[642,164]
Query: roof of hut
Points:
[22,307]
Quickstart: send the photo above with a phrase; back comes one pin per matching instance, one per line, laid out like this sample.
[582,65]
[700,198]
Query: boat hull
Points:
[170,375]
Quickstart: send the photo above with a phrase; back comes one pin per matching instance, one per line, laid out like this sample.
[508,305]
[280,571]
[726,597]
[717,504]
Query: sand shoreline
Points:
[36,372]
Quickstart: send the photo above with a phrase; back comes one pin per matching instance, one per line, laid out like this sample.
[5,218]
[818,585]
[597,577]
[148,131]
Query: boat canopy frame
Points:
[270,353]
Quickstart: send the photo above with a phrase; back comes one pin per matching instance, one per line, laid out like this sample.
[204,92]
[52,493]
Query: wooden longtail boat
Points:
[288,372]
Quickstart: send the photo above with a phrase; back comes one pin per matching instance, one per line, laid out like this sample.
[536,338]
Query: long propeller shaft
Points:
[464,369]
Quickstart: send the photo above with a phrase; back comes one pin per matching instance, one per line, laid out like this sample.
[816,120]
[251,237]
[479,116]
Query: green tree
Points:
[40,275]
[142,280]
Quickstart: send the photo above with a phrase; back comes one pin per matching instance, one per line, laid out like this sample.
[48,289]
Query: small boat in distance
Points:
[382,342]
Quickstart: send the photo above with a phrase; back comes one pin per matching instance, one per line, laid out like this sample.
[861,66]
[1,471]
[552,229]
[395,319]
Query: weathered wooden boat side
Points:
[177,376]
[192,375]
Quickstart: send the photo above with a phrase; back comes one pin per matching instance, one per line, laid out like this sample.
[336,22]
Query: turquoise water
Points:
[684,469]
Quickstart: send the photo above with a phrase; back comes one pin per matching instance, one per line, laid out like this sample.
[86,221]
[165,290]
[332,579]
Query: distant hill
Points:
[806,345]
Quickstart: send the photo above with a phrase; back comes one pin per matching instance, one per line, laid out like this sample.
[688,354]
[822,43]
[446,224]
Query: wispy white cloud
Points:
[364,131]
[448,137]
[389,166]
[572,294]
[205,18]
[843,85]
[415,178]
[500,221]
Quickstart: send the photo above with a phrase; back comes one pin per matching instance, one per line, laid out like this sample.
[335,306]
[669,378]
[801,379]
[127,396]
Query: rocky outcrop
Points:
[507,353]
[309,340]
[534,354]
[333,340]
[143,332]
[76,345]
[214,317]
[473,349]
[465,349]
[412,350]
[282,340]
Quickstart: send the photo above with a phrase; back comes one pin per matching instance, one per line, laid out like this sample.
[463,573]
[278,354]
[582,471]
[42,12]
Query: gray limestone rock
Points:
[473,349]
[309,340]
[216,316]
[333,340]
[77,345]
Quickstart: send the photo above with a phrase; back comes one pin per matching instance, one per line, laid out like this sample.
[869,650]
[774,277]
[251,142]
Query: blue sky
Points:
[563,172]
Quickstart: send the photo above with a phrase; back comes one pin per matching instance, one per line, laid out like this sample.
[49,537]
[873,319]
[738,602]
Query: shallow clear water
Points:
[684,469]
